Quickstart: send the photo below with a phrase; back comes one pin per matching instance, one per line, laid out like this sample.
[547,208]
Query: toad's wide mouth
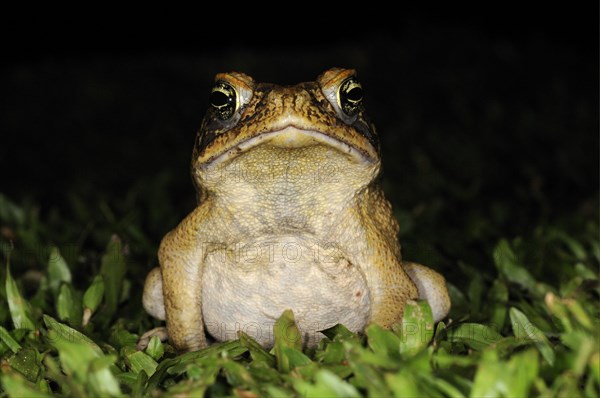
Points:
[291,137]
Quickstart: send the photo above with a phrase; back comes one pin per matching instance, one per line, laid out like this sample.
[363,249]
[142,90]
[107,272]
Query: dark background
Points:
[488,118]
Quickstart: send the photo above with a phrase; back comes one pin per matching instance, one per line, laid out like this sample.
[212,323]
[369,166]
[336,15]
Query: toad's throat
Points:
[292,137]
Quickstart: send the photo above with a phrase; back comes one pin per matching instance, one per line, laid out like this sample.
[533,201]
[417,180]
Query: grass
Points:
[72,314]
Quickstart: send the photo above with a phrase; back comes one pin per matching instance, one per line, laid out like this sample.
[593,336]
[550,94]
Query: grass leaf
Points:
[58,270]
[576,248]
[113,268]
[339,331]
[85,362]
[287,335]
[68,304]
[7,339]
[524,329]
[20,310]
[16,385]
[294,358]
[155,348]
[27,362]
[326,384]
[93,295]
[403,384]
[416,330]
[498,299]
[475,335]
[523,369]
[140,361]
[488,380]
[60,332]
[508,265]
[101,381]
[258,353]
[383,342]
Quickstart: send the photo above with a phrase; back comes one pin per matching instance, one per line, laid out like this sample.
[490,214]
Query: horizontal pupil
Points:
[218,98]
[355,94]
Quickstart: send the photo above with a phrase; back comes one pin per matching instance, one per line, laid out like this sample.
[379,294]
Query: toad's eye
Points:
[350,96]
[223,99]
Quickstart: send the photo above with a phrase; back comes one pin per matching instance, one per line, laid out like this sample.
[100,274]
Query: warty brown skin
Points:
[289,172]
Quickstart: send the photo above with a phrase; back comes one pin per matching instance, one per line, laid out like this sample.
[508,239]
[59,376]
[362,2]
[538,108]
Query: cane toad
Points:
[290,215]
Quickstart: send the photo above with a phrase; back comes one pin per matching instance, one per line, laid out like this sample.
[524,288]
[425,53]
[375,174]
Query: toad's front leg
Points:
[181,258]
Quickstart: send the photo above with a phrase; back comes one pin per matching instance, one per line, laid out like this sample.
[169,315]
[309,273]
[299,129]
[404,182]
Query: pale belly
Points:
[247,286]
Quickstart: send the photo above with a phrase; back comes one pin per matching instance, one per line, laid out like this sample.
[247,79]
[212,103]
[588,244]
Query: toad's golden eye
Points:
[223,99]
[350,96]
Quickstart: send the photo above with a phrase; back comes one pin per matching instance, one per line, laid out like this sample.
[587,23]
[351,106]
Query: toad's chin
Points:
[292,137]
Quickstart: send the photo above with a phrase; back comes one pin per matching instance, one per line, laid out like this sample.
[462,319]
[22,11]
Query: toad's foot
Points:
[431,286]
[160,332]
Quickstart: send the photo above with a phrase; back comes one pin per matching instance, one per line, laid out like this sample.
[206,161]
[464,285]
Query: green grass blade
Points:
[383,342]
[523,328]
[20,310]
[140,361]
[93,295]
[68,307]
[416,329]
[7,339]
[113,268]
[508,265]
[258,353]
[523,368]
[27,362]
[287,335]
[58,270]
[403,384]
[475,335]
[16,385]
[62,332]
[498,299]
[326,384]
[488,380]
[155,348]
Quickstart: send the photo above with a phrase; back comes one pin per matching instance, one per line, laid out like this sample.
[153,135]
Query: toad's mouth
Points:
[292,137]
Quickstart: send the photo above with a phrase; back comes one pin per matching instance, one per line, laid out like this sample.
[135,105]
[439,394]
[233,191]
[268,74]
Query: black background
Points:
[488,117]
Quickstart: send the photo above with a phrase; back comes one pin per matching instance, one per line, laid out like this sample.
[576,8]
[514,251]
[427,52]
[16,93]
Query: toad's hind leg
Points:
[154,304]
[153,299]
[431,286]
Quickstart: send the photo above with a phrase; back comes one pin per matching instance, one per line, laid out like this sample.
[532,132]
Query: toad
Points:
[290,215]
